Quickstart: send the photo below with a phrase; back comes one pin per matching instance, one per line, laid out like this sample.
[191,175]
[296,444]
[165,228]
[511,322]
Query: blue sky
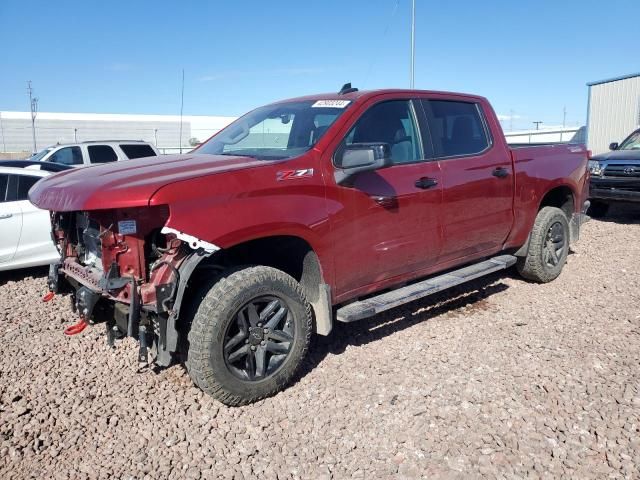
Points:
[532,58]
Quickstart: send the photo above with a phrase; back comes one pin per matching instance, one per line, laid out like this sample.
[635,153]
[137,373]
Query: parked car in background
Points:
[25,230]
[615,176]
[254,241]
[90,153]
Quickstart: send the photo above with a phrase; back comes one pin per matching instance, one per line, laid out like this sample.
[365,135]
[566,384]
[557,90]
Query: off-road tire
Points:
[534,267]
[598,209]
[216,310]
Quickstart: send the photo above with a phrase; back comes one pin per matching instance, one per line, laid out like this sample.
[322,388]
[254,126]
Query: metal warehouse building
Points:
[614,111]
[51,128]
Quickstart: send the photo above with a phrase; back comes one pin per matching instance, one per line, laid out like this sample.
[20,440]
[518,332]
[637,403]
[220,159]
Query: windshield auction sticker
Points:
[331,104]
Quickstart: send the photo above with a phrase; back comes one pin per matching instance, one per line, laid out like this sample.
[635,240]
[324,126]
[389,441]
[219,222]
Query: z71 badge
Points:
[291,174]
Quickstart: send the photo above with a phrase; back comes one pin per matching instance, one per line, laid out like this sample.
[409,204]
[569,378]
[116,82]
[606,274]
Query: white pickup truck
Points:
[95,152]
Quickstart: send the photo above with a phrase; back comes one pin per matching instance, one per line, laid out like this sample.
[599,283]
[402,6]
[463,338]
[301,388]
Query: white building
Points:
[614,111]
[51,128]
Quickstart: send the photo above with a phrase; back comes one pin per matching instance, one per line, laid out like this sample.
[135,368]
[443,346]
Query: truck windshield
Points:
[275,132]
[38,156]
[631,143]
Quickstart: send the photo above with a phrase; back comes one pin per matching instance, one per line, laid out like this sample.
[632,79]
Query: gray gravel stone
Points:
[501,378]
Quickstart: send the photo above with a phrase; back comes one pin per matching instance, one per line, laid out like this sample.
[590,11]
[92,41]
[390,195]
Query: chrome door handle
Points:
[5,215]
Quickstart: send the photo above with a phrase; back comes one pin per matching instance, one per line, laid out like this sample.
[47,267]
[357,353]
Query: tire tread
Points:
[531,266]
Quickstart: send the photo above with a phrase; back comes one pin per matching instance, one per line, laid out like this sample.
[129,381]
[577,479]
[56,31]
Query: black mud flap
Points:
[167,343]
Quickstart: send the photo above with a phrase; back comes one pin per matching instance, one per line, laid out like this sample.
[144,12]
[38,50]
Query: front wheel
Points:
[548,246]
[249,335]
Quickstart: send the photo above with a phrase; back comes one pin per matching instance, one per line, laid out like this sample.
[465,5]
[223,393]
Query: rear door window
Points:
[67,156]
[25,182]
[101,154]
[137,150]
[456,128]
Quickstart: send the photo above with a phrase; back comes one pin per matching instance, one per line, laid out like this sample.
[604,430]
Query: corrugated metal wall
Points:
[614,112]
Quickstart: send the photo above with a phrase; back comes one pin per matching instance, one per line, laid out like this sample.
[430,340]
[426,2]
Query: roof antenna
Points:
[347,88]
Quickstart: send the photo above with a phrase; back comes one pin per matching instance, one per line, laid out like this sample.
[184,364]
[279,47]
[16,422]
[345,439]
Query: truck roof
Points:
[89,142]
[366,94]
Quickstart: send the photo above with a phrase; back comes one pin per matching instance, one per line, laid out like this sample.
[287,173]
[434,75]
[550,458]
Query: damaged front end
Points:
[125,269]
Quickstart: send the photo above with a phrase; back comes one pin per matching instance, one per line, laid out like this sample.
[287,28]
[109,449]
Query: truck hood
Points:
[627,155]
[129,183]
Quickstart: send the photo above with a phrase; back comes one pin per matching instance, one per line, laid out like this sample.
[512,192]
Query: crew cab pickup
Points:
[302,213]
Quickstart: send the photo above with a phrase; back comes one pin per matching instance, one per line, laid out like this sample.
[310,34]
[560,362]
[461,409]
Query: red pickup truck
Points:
[304,212]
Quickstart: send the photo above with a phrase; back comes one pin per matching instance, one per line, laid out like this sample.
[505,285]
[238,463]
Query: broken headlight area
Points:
[121,268]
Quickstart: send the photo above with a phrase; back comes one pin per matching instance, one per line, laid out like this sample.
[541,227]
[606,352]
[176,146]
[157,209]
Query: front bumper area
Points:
[130,306]
[615,189]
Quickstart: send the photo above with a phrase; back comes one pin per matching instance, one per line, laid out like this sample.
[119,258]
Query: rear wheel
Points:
[249,335]
[548,246]
[598,209]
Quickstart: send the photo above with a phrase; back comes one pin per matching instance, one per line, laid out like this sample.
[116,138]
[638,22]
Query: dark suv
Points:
[615,176]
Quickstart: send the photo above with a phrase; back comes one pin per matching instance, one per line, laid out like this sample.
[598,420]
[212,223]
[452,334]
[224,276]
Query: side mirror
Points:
[361,157]
[613,146]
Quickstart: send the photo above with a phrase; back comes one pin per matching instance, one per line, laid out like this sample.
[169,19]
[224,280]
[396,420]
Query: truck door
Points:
[386,222]
[477,179]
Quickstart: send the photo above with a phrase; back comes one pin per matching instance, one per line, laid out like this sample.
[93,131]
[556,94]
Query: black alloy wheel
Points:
[258,342]
[555,244]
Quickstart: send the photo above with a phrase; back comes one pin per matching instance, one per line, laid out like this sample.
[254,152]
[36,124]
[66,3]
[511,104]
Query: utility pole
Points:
[75,135]
[537,124]
[33,104]
[413,44]
[155,135]
[181,108]
[564,117]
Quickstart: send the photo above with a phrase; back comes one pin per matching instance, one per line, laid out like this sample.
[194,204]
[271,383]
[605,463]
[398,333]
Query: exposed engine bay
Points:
[120,269]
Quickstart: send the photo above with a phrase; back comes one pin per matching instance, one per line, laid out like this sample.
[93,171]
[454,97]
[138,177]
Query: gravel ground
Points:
[500,378]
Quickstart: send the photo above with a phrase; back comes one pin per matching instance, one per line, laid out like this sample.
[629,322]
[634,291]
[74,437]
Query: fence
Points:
[542,136]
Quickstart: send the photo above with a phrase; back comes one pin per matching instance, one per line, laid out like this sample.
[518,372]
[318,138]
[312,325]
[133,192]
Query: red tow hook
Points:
[48,296]
[76,328]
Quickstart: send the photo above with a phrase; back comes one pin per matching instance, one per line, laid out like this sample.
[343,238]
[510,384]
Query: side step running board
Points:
[371,306]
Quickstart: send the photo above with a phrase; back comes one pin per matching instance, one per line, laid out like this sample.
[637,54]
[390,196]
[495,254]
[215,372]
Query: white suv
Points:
[90,153]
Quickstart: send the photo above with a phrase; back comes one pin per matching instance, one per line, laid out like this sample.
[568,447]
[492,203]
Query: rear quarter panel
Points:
[538,170]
